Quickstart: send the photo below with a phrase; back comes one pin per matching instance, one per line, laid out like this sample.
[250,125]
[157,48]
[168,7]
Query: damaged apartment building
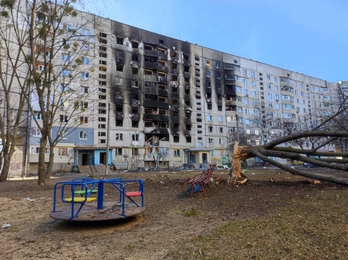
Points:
[172,103]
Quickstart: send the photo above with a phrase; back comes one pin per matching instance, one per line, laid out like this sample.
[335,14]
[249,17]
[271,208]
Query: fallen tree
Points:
[276,148]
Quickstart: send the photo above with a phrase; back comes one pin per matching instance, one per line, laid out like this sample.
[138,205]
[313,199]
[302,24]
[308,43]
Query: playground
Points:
[176,225]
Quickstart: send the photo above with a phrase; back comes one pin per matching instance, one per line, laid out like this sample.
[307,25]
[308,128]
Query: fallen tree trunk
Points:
[245,152]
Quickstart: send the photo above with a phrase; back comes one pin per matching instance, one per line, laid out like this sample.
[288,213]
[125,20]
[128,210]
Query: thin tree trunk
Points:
[50,163]
[6,168]
[41,167]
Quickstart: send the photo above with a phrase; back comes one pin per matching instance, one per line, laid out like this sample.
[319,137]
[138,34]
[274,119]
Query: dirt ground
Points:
[161,229]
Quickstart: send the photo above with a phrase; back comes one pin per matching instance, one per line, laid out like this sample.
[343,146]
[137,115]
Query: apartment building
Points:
[166,103]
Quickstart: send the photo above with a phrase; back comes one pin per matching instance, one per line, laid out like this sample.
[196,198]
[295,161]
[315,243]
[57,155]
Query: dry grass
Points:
[313,228]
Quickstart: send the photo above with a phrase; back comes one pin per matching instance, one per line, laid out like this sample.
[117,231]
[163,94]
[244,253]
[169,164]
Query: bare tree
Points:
[54,53]
[15,80]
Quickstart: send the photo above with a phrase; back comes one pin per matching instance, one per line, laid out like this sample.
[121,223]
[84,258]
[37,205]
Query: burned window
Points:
[160,41]
[186,57]
[135,96]
[175,115]
[134,83]
[119,108]
[119,122]
[135,124]
[148,124]
[163,125]
[209,106]
[188,139]
[135,71]
[118,95]
[161,86]
[162,112]
[102,35]
[135,57]
[176,139]
[188,127]
[148,47]
[150,84]
[119,40]
[135,45]
[175,102]
[151,97]
[119,67]
[186,69]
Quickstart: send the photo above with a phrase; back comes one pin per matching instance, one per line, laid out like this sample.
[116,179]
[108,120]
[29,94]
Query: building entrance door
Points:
[102,158]
[204,158]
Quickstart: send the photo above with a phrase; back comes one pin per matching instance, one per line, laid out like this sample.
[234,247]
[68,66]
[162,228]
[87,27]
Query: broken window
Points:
[148,47]
[119,122]
[119,67]
[135,57]
[83,120]
[162,112]
[135,45]
[135,124]
[135,70]
[119,40]
[162,99]
[188,139]
[119,108]
[134,83]
[148,124]
[176,139]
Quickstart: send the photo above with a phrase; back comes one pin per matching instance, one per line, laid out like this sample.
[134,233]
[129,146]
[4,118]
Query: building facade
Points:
[168,103]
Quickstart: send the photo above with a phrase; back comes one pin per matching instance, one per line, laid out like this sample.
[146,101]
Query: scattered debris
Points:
[200,251]
[29,199]
[161,182]
[6,225]
[317,182]
[272,180]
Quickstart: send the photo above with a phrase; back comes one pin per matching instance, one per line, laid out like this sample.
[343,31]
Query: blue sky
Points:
[308,36]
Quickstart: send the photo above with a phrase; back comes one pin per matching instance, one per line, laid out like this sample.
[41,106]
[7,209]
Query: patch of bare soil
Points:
[164,227]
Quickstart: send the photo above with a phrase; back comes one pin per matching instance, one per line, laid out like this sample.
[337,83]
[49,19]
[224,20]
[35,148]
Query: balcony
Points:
[150,65]
[230,92]
[153,103]
[174,72]
[151,53]
[135,117]
[174,61]
[175,108]
[187,121]
[162,68]
[119,115]
[186,75]
[134,64]
[230,102]
[150,91]
[162,80]
[135,103]
[187,63]
[162,92]
[152,78]
[120,61]
[162,56]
